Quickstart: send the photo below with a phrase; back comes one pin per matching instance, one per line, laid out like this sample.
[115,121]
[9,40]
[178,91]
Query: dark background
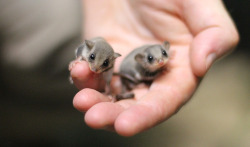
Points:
[240,11]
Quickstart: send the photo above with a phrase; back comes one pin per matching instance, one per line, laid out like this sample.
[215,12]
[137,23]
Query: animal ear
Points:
[139,58]
[116,55]
[78,51]
[166,45]
[89,44]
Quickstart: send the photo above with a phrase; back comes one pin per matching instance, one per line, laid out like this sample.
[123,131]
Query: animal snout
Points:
[94,69]
[160,61]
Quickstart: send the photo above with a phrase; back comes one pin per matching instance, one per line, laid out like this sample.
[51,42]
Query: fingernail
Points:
[210,59]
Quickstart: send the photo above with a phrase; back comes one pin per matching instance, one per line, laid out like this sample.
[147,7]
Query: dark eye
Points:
[106,63]
[150,58]
[164,53]
[92,57]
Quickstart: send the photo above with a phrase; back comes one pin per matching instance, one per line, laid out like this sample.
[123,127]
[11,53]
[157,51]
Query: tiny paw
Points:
[71,80]
[126,95]
[112,98]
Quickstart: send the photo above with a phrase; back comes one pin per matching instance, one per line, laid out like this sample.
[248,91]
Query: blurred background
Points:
[37,39]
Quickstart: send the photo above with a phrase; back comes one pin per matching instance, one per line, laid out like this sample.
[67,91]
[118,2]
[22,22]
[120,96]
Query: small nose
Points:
[93,69]
[160,61]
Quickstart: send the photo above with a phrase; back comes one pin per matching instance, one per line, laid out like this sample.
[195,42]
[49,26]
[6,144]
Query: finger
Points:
[214,32]
[86,98]
[83,77]
[103,115]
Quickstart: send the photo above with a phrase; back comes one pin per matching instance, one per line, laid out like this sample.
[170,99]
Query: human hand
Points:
[199,33]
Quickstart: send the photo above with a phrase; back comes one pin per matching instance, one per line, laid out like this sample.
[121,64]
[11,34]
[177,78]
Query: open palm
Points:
[199,32]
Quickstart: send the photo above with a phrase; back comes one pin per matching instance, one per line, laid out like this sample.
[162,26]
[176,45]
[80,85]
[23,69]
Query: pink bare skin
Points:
[199,33]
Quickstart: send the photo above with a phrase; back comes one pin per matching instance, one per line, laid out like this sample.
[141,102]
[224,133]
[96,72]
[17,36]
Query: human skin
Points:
[199,33]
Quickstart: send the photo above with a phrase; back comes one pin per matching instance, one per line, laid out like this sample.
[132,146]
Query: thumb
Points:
[214,33]
[209,45]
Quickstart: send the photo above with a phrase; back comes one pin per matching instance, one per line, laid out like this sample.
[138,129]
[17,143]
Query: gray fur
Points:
[103,53]
[137,68]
